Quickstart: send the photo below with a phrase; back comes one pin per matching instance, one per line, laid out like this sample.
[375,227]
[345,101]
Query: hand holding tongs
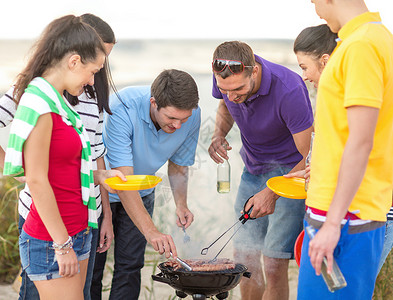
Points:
[243,219]
[182,262]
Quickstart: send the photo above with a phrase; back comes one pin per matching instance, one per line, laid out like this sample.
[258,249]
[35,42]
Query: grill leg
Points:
[223,295]
[181,294]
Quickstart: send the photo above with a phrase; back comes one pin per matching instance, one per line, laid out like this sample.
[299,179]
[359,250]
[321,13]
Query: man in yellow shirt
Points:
[352,166]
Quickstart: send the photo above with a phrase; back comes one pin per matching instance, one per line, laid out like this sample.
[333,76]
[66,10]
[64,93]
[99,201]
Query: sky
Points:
[176,19]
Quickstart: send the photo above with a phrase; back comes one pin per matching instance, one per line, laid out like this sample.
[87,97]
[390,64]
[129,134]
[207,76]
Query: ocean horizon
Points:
[135,62]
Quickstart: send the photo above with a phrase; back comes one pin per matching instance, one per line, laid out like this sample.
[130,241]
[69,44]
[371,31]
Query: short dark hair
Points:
[234,50]
[175,88]
[316,41]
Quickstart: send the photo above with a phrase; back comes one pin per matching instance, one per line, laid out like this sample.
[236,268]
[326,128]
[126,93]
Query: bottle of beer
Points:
[335,280]
[224,177]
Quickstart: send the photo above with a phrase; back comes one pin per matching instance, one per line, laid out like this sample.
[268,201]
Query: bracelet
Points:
[67,245]
[62,253]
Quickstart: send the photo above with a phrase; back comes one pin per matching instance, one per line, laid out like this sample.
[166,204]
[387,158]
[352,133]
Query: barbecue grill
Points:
[201,285]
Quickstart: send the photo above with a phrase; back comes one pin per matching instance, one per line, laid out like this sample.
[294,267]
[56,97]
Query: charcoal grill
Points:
[201,285]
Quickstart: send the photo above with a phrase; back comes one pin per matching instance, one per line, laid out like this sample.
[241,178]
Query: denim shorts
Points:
[38,257]
[275,235]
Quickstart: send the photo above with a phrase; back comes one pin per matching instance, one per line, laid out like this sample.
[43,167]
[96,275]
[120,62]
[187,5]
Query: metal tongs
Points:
[182,262]
[243,219]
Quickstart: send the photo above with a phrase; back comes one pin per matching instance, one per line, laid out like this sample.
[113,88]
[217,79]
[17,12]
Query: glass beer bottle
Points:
[335,280]
[308,159]
[224,177]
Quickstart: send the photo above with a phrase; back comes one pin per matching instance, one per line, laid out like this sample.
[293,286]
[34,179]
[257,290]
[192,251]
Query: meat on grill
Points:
[203,265]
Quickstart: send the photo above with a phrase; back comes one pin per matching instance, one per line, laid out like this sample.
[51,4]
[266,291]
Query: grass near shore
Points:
[9,247]
[384,283]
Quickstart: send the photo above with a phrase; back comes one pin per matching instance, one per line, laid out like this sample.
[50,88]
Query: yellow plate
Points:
[134,182]
[287,187]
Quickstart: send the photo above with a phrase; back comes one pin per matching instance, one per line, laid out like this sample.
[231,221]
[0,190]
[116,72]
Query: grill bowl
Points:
[208,283]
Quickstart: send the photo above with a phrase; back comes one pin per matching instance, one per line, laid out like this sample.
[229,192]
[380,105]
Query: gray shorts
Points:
[275,234]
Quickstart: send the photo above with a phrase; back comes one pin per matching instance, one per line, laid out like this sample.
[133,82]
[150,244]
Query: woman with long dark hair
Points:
[51,146]
[90,105]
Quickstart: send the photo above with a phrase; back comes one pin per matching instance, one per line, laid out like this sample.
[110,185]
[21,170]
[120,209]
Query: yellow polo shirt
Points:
[359,72]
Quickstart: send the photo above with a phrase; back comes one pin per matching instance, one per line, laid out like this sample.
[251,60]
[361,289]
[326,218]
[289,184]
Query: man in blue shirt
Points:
[148,127]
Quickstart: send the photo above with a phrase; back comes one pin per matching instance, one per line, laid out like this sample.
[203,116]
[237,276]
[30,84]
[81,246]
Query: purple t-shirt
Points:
[267,120]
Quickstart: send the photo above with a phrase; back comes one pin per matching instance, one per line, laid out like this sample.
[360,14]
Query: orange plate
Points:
[287,187]
[133,183]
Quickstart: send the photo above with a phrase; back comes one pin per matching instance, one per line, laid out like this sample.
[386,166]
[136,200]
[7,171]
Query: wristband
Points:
[62,253]
[67,245]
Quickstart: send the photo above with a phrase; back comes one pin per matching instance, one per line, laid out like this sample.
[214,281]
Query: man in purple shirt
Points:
[270,105]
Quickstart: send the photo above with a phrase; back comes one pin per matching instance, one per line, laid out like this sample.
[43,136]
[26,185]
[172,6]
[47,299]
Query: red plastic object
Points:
[298,247]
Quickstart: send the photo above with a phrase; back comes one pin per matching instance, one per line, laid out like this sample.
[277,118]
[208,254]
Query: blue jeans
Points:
[90,266]
[98,271]
[27,290]
[387,244]
[275,234]
[98,274]
[129,255]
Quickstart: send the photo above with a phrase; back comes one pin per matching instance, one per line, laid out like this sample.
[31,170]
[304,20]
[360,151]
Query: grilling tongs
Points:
[182,262]
[243,219]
